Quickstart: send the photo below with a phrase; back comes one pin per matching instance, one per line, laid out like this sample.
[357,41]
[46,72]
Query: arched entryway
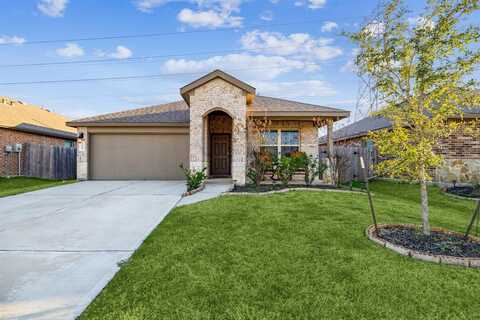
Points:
[219,135]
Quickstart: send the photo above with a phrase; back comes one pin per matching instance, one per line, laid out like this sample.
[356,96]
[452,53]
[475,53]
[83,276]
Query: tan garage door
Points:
[137,156]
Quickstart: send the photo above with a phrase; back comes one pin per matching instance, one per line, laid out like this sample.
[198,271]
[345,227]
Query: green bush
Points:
[312,168]
[260,163]
[195,178]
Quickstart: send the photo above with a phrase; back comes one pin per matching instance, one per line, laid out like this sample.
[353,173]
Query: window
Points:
[281,142]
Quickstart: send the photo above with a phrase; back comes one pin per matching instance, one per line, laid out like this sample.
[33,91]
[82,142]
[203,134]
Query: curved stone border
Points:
[288,190]
[457,196]
[465,262]
[192,192]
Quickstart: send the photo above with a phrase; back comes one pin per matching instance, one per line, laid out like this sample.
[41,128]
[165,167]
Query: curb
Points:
[441,259]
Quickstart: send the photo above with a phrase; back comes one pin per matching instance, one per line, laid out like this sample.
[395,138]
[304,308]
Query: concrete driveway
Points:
[60,246]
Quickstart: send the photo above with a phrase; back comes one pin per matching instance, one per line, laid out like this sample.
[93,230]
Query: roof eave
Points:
[327,114]
[126,124]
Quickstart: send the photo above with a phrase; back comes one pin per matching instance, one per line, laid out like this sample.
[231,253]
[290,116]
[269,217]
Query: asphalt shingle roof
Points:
[177,112]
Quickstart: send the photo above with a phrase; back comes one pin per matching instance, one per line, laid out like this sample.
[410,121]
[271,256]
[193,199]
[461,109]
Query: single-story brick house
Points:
[22,123]
[461,152]
[211,127]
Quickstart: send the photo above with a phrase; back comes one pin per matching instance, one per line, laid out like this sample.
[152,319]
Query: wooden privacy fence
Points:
[49,162]
[349,155]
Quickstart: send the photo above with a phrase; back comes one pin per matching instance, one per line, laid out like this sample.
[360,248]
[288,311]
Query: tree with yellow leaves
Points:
[421,68]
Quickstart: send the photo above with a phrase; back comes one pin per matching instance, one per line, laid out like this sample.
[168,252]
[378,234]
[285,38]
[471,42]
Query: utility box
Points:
[8,148]
[17,147]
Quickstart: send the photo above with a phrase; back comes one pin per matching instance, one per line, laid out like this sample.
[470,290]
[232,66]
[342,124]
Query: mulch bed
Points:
[271,187]
[467,191]
[437,243]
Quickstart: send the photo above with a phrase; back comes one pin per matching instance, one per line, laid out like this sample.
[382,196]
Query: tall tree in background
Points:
[421,68]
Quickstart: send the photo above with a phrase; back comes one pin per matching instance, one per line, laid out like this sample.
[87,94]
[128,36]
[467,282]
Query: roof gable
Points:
[209,77]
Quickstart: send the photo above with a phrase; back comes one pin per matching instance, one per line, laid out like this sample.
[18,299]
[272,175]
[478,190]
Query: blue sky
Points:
[305,59]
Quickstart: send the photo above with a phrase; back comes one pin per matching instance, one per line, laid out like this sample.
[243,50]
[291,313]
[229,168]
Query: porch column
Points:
[82,154]
[196,140]
[329,173]
[239,149]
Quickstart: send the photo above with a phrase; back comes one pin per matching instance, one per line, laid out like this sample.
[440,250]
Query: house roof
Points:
[18,115]
[280,107]
[177,113]
[372,123]
[209,77]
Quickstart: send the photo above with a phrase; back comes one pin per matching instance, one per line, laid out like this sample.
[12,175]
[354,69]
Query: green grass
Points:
[291,256]
[16,185]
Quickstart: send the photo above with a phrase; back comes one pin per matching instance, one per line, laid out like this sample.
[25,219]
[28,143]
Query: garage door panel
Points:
[137,156]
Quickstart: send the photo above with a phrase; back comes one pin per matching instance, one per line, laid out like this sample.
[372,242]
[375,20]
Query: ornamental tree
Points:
[421,69]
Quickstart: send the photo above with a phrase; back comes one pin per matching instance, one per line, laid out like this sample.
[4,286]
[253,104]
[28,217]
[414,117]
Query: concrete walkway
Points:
[60,246]
[213,188]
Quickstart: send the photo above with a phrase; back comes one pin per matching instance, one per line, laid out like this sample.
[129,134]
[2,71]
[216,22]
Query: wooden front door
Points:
[220,154]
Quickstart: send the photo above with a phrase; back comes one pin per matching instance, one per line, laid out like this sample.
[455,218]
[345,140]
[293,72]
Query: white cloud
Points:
[317,4]
[210,19]
[374,28]
[122,53]
[295,89]
[70,50]
[298,45]
[267,15]
[350,65]
[245,66]
[421,22]
[52,8]
[274,1]
[312,4]
[12,40]
[329,26]
[207,13]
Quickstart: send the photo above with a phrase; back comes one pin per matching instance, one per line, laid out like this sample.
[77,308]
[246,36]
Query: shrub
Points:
[260,163]
[285,169]
[195,178]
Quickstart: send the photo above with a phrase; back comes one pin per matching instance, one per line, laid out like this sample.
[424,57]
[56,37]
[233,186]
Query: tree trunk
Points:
[424,201]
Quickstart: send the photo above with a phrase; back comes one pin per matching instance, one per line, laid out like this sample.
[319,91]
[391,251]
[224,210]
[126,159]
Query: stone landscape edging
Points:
[192,192]
[441,259]
[288,190]
[459,197]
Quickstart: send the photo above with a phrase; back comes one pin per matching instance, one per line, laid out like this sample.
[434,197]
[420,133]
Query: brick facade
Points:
[9,161]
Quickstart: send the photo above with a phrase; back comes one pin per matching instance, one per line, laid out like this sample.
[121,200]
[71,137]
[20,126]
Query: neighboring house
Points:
[22,123]
[461,152]
[210,128]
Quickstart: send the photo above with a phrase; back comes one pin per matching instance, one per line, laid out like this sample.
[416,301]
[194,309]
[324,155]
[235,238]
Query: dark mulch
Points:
[437,243]
[271,187]
[467,191]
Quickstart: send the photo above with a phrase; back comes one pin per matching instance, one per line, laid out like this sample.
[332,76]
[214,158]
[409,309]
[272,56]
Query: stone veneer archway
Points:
[218,94]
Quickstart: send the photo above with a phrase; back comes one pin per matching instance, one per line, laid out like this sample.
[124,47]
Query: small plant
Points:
[260,163]
[312,168]
[195,178]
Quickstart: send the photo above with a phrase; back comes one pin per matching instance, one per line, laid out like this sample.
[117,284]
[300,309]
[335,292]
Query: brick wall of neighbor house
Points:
[462,159]
[218,95]
[9,162]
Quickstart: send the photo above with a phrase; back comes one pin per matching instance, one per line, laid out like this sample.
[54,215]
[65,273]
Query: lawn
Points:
[291,256]
[16,185]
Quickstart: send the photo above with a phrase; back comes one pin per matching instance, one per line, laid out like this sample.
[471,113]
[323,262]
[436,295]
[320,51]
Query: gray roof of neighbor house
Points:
[31,128]
[362,127]
[177,113]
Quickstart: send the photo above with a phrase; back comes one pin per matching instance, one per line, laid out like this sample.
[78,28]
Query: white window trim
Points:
[279,144]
